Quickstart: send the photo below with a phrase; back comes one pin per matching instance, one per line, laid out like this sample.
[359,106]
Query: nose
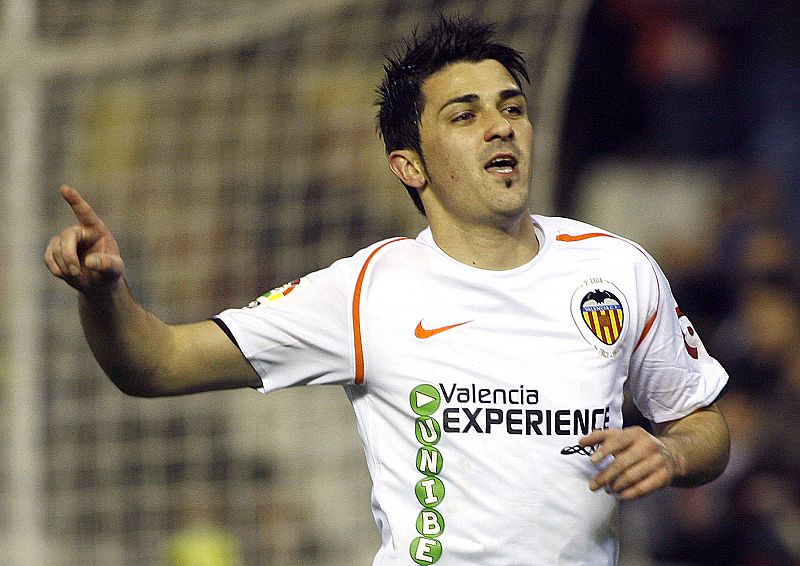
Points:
[498,128]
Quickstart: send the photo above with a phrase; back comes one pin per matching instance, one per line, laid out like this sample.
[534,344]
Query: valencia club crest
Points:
[602,312]
[599,309]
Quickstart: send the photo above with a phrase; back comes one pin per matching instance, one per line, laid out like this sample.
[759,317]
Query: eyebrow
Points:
[470,98]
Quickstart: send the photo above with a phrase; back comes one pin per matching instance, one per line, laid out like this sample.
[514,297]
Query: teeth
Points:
[502,164]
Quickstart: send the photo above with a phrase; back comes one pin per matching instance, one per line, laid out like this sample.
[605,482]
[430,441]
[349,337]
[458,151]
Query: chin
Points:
[513,208]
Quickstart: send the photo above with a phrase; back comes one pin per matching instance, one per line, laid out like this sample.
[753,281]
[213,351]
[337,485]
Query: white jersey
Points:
[472,387]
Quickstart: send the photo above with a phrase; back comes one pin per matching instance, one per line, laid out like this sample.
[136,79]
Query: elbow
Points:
[137,390]
[135,385]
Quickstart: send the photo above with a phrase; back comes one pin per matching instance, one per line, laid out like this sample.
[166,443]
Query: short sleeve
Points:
[671,373]
[300,333]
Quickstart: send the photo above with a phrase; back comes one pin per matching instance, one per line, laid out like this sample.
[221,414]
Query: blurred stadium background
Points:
[231,146]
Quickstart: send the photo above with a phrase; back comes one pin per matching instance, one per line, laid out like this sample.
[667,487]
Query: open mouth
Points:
[504,164]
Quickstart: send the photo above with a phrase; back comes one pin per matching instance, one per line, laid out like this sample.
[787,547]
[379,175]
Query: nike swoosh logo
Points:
[423,333]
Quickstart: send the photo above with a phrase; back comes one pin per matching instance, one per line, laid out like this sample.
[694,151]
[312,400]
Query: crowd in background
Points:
[715,83]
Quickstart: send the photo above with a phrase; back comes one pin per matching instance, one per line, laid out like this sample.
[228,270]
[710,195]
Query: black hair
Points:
[449,40]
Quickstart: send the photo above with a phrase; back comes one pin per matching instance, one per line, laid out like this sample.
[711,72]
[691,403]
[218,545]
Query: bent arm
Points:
[699,445]
[146,357]
[686,452]
[141,354]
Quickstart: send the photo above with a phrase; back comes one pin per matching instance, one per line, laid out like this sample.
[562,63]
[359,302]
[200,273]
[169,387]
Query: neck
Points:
[495,248]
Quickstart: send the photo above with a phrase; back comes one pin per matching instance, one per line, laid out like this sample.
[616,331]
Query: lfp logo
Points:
[429,491]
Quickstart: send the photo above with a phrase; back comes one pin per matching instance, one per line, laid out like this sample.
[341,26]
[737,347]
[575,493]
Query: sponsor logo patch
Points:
[690,338]
[277,293]
[425,400]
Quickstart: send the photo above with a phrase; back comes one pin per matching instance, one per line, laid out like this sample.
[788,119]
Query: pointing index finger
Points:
[83,211]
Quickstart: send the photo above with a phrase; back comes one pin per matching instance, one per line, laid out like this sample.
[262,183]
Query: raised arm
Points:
[686,452]
[141,354]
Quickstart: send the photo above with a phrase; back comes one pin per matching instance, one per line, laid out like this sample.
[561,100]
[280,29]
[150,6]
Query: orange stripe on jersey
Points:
[648,325]
[579,237]
[359,348]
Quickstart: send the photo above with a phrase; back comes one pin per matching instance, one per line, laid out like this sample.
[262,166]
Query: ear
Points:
[407,166]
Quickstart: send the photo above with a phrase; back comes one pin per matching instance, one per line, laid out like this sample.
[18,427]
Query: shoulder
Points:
[393,245]
[570,230]
[570,234]
[349,270]
[387,249]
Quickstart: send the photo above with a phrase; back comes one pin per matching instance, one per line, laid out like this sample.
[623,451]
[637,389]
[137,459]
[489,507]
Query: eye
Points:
[463,116]
[514,110]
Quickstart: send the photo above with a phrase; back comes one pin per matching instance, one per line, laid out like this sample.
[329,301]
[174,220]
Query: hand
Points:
[85,255]
[641,465]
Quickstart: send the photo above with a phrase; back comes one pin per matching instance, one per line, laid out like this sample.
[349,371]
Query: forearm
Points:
[141,354]
[130,344]
[687,452]
[698,445]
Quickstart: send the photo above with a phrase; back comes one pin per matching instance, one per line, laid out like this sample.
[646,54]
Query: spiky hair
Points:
[449,40]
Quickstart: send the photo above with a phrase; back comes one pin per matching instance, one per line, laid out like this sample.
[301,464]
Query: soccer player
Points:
[485,360]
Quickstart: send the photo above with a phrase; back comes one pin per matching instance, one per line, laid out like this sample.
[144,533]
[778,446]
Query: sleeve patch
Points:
[277,294]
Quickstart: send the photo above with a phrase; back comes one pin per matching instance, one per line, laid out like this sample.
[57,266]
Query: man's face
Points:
[476,142]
